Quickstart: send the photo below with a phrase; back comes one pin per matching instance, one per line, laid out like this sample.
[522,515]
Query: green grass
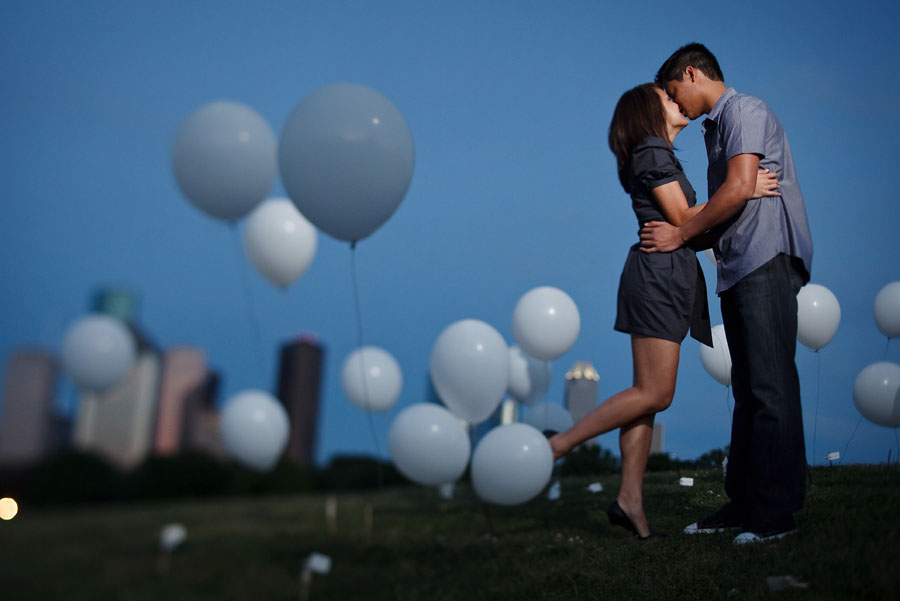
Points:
[421,547]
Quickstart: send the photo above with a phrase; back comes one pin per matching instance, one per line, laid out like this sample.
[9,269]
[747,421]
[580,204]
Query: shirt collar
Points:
[718,107]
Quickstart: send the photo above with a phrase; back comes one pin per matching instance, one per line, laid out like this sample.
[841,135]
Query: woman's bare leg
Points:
[655,369]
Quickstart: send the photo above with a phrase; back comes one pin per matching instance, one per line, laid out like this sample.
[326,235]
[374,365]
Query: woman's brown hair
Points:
[639,113]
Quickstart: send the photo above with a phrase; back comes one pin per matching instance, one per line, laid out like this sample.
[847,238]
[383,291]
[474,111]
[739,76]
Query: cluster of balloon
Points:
[716,360]
[546,322]
[887,310]
[224,159]
[346,159]
[876,393]
[549,416]
[254,429]
[470,369]
[428,444]
[511,464]
[818,316]
[876,390]
[529,378]
[280,242]
[371,378]
[97,352]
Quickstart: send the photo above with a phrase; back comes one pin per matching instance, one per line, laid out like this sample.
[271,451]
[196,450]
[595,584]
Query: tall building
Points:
[200,427]
[658,443]
[30,427]
[581,394]
[183,372]
[119,423]
[299,386]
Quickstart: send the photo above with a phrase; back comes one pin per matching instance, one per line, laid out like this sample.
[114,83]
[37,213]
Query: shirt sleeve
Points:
[743,127]
[654,163]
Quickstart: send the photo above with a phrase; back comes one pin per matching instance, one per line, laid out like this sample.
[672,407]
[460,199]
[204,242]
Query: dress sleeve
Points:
[654,163]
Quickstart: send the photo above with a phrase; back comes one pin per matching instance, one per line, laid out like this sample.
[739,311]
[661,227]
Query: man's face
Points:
[686,95]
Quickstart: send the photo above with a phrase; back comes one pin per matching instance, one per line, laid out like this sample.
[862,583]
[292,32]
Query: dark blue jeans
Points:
[767,462]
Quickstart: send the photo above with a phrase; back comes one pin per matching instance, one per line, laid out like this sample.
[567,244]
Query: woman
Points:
[661,295]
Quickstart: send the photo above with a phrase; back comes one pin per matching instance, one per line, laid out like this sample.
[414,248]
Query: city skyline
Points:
[513,186]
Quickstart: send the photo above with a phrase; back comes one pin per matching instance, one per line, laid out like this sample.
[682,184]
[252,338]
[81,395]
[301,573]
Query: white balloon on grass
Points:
[529,378]
[346,159]
[818,316]
[470,369]
[428,444]
[876,393]
[172,536]
[280,242]
[371,378]
[511,464]
[98,351]
[549,416]
[887,310]
[254,429]
[716,359]
[546,322]
[225,159]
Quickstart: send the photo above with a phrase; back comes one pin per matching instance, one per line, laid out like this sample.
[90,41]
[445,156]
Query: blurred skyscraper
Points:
[119,423]
[183,372]
[30,427]
[658,444]
[200,427]
[581,389]
[299,385]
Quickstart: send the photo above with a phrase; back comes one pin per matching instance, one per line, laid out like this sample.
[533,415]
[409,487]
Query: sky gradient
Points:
[514,186]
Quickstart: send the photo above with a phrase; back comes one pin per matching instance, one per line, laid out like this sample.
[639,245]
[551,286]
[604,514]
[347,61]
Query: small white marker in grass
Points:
[686,481]
[595,487]
[316,563]
[833,456]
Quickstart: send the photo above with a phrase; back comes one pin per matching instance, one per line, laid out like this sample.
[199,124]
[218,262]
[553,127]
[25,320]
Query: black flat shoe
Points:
[618,517]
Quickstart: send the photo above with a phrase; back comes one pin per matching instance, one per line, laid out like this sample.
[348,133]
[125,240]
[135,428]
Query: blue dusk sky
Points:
[514,186]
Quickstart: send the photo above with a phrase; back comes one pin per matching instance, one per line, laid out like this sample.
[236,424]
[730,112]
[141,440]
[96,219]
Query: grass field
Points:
[408,543]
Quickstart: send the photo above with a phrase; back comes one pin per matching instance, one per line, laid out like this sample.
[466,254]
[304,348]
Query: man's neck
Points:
[712,94]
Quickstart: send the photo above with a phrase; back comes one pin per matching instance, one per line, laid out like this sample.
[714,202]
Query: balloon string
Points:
[818,387]
[248,297]
[886,346]
[362,359]
[844,454]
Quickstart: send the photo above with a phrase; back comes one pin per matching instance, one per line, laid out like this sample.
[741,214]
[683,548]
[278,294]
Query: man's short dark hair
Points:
[694,55]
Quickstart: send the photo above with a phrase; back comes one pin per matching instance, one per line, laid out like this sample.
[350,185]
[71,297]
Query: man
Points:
[764,252]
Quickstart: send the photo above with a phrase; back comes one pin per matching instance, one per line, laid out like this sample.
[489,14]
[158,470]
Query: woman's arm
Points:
[676,210]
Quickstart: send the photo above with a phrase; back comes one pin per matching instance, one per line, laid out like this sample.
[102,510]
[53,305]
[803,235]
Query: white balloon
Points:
[549,416]
[546,322]
[254,428]
[876,393]
[818,316]
[529,378]
[716,359]
[887,310]
[346,159]
[470,369]
[97,352]
[428,444]
[280,242]
[225,159]
[371,378]
[171,536]
[511,464]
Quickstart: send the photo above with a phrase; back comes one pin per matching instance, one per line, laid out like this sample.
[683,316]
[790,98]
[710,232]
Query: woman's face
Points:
[674,119]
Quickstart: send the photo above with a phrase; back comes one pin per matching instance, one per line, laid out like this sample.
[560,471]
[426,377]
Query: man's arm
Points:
[740,183]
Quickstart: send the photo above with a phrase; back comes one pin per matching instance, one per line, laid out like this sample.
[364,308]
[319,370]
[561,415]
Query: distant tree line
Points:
[80,477]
